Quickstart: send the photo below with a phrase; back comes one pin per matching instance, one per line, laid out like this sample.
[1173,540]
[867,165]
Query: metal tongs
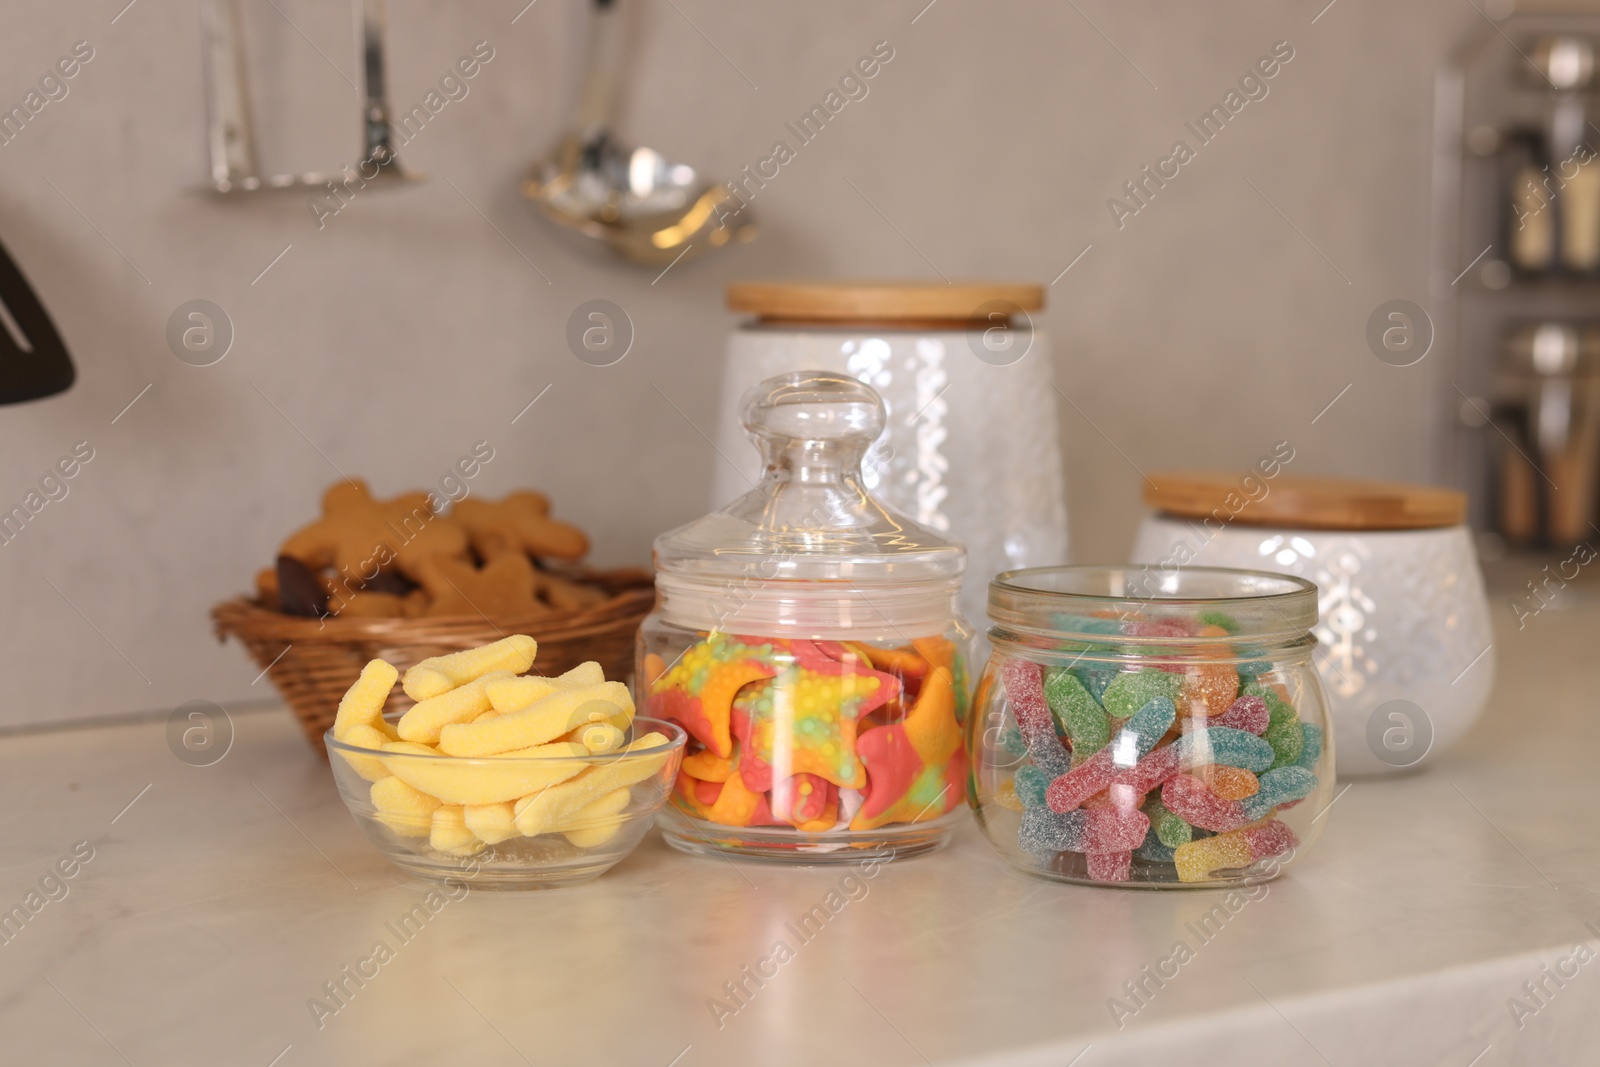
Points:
[231,135]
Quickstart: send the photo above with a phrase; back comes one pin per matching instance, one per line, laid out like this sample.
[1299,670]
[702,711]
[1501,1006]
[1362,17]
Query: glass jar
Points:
[1150,728]
[970,447]
[810,641]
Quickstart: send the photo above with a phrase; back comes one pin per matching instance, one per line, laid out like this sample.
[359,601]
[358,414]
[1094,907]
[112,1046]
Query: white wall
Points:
[409,328]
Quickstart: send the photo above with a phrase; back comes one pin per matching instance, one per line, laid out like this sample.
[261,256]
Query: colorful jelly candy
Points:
[1024,684]
[1131,743]
[1230,783]
[1030,785]
[1311,748]
[1190,799]
[1128,692]
[1248,713]
[1087,726]
[1281,785]
[1169,829]
[912,770]
[1199,860]
[1083,830]
[816,735]
[1110,866]
[698,690]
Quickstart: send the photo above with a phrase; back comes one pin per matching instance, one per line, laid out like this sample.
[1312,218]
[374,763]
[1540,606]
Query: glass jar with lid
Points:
[810,641]
[1151,728]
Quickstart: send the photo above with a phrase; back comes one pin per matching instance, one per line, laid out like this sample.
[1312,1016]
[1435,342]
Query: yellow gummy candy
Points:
[367,767]
[556,807]
[406,811]
[486,716]
[599,821]
[491,823]
[449,833]
[425,719]
[505,776]
[583,674]
[559,713]
[440,674]
[362,704]
[1196,860]
[598,737]
[514,693]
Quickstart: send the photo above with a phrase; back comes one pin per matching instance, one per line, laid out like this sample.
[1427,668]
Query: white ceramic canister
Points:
[1405,649]
[971,447]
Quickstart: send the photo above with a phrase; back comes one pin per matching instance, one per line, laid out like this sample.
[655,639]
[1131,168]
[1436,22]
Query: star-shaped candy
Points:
[914,768]
[699,689]
[804,720]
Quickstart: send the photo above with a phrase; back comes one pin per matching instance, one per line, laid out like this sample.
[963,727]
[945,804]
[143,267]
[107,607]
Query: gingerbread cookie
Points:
[359,536]
[521,521]
[502,587]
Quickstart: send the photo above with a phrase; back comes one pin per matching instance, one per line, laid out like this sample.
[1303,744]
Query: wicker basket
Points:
[313,662]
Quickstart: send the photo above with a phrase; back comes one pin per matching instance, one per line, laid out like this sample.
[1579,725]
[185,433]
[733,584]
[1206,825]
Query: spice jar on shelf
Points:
[810,641]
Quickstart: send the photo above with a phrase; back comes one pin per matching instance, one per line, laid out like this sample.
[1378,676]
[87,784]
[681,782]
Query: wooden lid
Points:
[879,302]
[1304,502]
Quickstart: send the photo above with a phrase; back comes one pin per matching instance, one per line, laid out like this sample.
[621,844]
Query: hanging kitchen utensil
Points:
[646,207]
[230,132]
[33,360]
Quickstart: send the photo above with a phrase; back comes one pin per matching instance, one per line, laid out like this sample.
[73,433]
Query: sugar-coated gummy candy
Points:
[1248,713]
[1226,746]
[1167,627]
[1311,750]
[1086,724]
[1278,786]
[1030,784]
[1252,668]
[1169,829]
[1231,783]
[1011,742]
[1200,859]
[1220,619]
[1024,685]
[1084,624]
[1287,740]
[1130,691]
[1082,830]
[1152,850]
[1192,801]
[1095,679]
[1110,866]
[1209,688]
[1143,729]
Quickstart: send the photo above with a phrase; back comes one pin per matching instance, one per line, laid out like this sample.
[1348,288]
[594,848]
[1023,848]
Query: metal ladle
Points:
[651,210]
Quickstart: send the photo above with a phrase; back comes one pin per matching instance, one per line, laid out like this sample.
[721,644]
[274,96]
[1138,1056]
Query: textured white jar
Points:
[971,448]
[1402,616]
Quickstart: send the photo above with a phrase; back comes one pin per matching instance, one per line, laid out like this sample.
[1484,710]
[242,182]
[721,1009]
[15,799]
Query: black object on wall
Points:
[33,359]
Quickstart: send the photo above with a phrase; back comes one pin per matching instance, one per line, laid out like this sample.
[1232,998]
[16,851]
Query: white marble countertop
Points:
[219,900]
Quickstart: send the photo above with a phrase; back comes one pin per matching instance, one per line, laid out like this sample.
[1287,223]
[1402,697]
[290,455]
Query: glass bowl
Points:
[499,822]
